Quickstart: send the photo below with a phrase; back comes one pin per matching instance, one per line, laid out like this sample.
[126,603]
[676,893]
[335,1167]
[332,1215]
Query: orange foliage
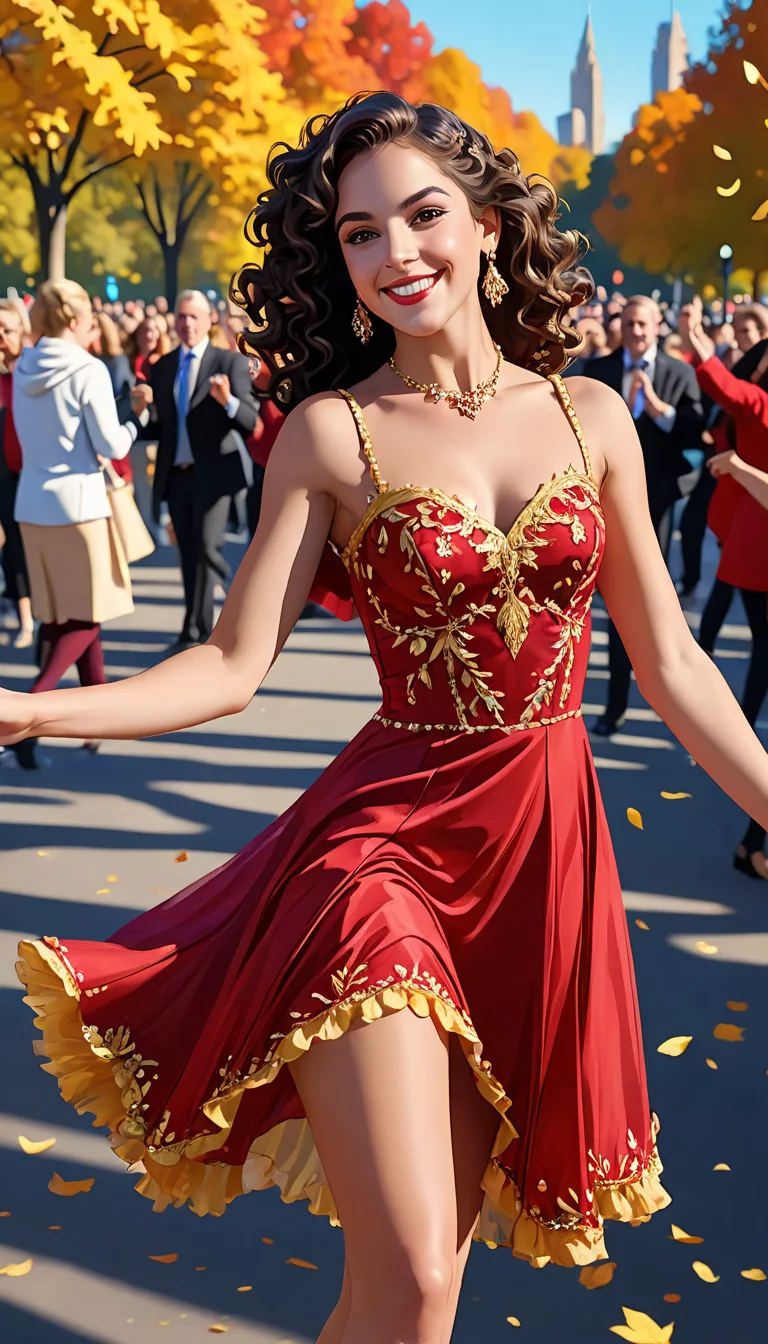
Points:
[383,36]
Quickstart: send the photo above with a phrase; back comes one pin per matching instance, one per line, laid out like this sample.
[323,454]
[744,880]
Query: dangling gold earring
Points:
[361,322]
[494,284]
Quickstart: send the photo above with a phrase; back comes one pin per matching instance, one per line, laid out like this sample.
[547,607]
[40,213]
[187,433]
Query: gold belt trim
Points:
[474,728]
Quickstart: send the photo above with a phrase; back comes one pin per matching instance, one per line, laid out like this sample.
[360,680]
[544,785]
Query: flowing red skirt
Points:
[471,878]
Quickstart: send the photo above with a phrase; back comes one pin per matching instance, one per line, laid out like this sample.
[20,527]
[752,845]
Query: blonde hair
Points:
[57,303]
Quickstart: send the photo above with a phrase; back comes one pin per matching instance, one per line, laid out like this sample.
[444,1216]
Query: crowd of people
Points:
[96,395]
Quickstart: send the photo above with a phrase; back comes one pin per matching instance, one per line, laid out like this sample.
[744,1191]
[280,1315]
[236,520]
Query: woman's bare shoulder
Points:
[318,440]
[608,427]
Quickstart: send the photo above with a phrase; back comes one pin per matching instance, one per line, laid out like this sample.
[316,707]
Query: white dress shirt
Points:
[184,455]
[667,419]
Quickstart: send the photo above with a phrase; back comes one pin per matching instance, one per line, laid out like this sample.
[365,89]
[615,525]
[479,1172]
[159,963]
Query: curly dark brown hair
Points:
[301,299]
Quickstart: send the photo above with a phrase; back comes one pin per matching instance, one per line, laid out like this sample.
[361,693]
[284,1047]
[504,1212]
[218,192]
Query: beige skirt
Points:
[77,572]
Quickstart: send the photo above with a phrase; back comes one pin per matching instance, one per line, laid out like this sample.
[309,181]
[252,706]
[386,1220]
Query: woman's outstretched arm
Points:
[673,673]
[755,482]
[262,606]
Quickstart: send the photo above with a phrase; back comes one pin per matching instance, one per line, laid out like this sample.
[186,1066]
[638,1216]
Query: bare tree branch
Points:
[114,163]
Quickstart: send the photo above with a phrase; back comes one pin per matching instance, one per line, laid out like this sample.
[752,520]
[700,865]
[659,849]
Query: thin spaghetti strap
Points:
[568,406]
[365,440]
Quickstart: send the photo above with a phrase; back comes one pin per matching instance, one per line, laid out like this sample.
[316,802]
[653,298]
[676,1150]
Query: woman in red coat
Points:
[740,524]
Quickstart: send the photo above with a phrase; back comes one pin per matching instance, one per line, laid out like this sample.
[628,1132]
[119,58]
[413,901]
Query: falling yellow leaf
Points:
[671,1297]
[673,796]
[753,74]
[103,891]
[704,1272]
[762,210]
[111,878]
[268,1241]
[722,153]
[182,857]
[642,1329]
[721,1166]
[728,1031]
[16,1271]
[302,1264]
[597,1276]
[679,1235]
[734,1006]
[512,1320]
[676,1045]
[708,949]
[42,853]
[165,1259]
[58,1186]
[199,1267]
[31,1146]
[641,924]
[163,1322]
[634,818]
[756,1275]
[246,1288]
[710,1063]
[730,191]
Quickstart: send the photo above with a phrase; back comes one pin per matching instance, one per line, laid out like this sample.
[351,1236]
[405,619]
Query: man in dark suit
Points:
[202,404]
[663,396]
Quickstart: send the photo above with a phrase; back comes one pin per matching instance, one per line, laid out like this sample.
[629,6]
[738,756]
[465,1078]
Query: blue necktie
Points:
[183,450]
[639,403]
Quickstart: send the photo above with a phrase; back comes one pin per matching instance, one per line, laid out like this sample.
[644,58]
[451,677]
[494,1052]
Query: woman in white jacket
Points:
[66,420]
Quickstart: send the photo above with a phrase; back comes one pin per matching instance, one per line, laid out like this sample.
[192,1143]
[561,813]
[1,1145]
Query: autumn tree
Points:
[693,173]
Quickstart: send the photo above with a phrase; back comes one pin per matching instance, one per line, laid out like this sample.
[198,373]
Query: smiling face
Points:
[409,239]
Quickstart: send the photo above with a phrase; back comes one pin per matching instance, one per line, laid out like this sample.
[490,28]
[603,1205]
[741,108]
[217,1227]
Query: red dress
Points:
[738,521]
[453,861]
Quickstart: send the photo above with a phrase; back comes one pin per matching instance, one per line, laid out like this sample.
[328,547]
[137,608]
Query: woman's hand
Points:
[16,716]
[726,464]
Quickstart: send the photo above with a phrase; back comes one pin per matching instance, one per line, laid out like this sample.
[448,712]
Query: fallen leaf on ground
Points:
[641,924]
[671,1297]
[199,1267]
[704,1272]
[721,1166]
[35,1146]
[679,1235]
[673,796]
[596,1276]
[512,1320]
[182,858]
[112,878]
[246,1288]
[734,1006]
[103,891]
[165,1259]
[218,1329]
[5,1213]
[676,1045]
[710,1063]
[54,1227]
[756,1275]
[268,1241]
[708,949]
[42,853]
[634,818]
[728,1031]
[16,1271]
[58,1186]
[642,1329]
[302,1264]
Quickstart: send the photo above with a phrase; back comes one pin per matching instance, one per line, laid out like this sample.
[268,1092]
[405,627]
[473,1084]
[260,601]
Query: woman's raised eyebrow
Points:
[359,216]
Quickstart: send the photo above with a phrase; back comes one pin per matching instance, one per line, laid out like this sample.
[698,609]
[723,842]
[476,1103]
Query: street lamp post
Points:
[726,265]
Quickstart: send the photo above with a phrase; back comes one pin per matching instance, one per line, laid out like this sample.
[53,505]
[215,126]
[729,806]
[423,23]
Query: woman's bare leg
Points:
[333,1330]
[378,1103]
[474,1126]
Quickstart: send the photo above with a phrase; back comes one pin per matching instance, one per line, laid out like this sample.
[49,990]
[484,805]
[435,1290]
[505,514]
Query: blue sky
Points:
[528,46]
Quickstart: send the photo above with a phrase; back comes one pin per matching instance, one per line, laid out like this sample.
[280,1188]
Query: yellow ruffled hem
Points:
[286,1156]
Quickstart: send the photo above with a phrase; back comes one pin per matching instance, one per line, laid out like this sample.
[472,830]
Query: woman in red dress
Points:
[410,1000]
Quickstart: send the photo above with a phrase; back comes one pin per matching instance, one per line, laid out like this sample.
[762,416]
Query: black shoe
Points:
[608,724]
[743,864]
[24,756]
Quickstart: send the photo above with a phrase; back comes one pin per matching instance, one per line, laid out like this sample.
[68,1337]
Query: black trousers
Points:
[693,527]
[199,524]
[756,685]
[619,666]
[14,563]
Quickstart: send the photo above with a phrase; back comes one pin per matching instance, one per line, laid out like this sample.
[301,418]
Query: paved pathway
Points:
[91,841]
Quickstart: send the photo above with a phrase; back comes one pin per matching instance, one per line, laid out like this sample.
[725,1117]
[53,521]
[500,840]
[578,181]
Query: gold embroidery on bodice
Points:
[447,612]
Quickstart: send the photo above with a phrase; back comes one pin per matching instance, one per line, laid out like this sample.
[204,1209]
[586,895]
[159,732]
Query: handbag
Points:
[135,537]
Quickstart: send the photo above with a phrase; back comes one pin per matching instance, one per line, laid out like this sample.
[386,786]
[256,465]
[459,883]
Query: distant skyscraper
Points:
[585,123]
[670,57]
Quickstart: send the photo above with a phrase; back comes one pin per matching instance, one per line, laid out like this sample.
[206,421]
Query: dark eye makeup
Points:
[427,215]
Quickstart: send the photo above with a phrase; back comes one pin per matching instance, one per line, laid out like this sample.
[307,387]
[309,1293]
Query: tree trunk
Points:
[57,245]
[171,257]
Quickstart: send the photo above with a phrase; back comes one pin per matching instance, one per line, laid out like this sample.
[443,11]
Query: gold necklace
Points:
[466,403]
